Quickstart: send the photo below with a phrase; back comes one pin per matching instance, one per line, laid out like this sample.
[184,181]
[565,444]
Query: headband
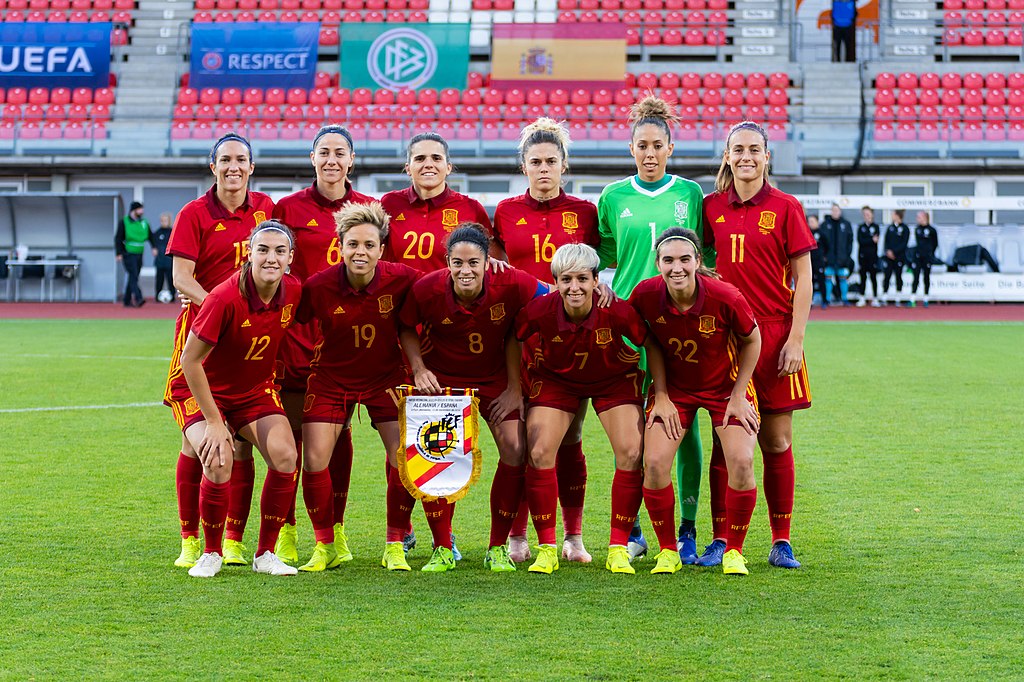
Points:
[230,137]
[336,129]
[270,225]
[679,236]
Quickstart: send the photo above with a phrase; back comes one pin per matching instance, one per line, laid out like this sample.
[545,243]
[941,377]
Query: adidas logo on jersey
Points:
[401,216]
[339,310]
[661,320]
[219,228]
[446,321]
[522,221]
[312,223]
[557,339]
[721,219]
[246,324]
[626,213]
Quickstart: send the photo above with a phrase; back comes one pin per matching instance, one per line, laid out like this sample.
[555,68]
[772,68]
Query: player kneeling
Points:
[581,354]
[227,391]
[698,323]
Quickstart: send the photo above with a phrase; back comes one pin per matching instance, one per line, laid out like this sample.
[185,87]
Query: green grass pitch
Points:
[907,520]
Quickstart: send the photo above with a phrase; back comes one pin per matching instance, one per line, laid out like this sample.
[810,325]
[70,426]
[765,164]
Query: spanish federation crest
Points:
[706,325]
[286,315]
[450,218]
[681,213]
[384,304]
[570,222]
[497,312]
[604,336]
[766,223]
[259,217]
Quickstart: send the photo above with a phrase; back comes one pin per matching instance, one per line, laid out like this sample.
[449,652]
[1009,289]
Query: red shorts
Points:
[487,391]
[293,358]
[775,394]
[326,401]
[623,390]
[687,405]
[236,410]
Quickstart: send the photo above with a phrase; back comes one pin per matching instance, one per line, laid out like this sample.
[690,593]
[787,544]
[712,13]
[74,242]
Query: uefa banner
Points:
[254,55]
[558,55]
[396,57]
[439,451]
[54,55]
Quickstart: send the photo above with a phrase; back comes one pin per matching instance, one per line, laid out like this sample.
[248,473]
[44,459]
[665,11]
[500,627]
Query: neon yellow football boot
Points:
[733,563]
[286,547]
[191,550]
[668,562]
[324,557]
[234,553]
[341,543]
[547,560]
[394,557]
[440,561]
[498,560]
[618,560]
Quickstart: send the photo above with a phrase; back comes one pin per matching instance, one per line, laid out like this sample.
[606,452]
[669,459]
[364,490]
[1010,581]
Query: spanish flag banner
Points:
[558,55]
[439,453]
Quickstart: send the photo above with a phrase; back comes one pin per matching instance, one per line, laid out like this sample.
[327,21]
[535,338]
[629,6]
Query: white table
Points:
[55,263]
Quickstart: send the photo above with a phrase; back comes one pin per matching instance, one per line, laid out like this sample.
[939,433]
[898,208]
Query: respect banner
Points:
[558,55]
[254,55]
[410,56]
[54,55]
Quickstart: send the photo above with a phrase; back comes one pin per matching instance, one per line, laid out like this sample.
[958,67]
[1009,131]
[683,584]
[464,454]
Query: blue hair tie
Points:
[230,137]
[334,129]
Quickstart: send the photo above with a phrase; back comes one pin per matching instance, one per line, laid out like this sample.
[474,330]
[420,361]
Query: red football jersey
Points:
[699,345]
[531,230]
[360,328]
[245,334]
[419,228]
[755,241]
[216,240]
[468,342]
[310,215]
[583,354]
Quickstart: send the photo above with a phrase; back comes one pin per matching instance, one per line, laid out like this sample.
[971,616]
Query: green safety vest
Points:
[136,234]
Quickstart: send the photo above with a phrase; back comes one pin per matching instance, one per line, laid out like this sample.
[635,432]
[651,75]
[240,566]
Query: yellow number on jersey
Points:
[678,346]
[259,344]
[421,243]
[241,253]
[366,333]
[543,252]
[737,247]
[334,252]
[476,343]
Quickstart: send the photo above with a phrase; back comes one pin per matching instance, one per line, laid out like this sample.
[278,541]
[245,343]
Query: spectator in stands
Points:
[924,254]
[161,260]
[844,30]
[818,261]
[868,233]
[838,258]
[897,235]
[130,242]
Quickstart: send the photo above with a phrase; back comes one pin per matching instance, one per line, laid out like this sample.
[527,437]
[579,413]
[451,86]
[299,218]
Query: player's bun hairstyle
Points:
[575,258]
[427,137]
[265,226]
[229,137]
[334,129]
[352,214]
[725,179]
[654,111]
[471,233]
[544,131]
[685,235]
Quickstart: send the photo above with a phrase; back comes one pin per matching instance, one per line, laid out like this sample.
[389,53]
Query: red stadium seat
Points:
[17,95]
[271,112]
[951,98]
[952,81]
[646,81]
[515,96]
[995,38]
[427,96]
[475,79]
[103,96]
[274,96]
[928,98]
[252,96]
[906,80]
[974,38]
[995,113]
[905,113]
[384,96]
[884,113]
[906,98]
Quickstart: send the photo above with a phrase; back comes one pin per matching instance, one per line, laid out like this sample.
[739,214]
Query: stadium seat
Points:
[906,80]
[886,81]
[951,81]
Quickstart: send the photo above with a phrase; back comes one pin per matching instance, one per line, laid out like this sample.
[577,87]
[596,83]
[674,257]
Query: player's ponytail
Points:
[470,233]
[654,111]
[545,130]
[689,236]
[725,179]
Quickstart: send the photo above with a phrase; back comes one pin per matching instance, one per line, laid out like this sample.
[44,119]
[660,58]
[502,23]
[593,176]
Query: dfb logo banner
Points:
[404,56]
[54,55]
[439,452]
[254,55]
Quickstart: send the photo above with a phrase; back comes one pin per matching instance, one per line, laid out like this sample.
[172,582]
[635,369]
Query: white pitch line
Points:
[69,408]
[87,357]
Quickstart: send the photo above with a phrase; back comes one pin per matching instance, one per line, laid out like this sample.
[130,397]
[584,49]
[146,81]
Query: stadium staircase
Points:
[831,109]
[148,79]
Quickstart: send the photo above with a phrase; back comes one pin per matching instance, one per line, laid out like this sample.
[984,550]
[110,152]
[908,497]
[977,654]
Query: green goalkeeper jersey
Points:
[632,213]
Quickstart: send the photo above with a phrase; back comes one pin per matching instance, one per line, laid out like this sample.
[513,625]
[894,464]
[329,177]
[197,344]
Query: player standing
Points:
[632,213]
[528,229]
[310,214]
[226,390]
[708,345]
[764,245]
[209,242]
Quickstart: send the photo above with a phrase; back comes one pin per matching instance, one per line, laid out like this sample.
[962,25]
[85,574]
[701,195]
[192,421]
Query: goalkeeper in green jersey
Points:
[631,214]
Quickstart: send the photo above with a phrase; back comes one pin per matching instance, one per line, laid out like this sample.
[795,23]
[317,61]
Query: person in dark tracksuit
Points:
[161,261]
[838,259]
[927,244]
[868,233]
[897,236]
[818,260]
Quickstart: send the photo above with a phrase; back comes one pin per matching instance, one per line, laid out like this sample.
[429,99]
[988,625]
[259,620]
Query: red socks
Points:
[316,492]
[740,505]
[506,495]
[439,518]
[627,493]
[522,518]
[278,493]
[571,466]
[213,507]
[187,477]
[243,477]
[297,435]
[718,480]
[341,473]
[779,488]
[542,492]
[661,507]
[399,507]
